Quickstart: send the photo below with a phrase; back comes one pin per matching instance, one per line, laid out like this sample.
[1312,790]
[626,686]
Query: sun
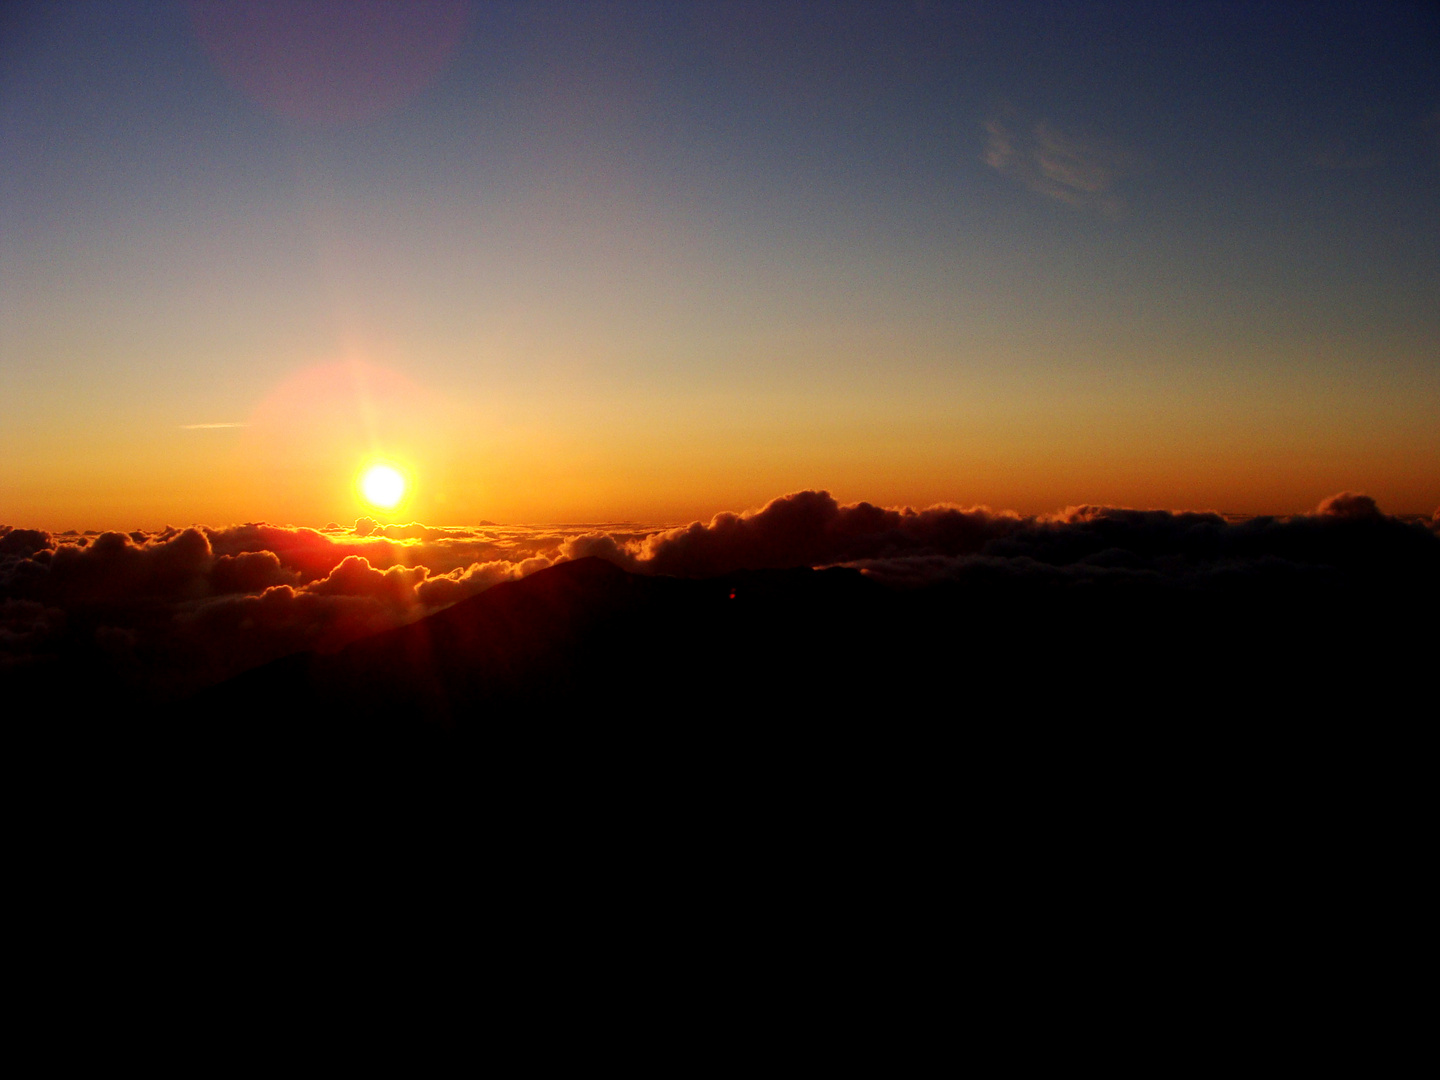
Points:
[383,486]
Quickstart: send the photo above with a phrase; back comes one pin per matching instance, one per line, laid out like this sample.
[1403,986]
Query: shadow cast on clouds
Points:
[165,613]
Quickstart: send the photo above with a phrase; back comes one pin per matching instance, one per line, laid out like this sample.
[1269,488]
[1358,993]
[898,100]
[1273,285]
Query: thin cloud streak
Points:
[207,427]
[1078,170]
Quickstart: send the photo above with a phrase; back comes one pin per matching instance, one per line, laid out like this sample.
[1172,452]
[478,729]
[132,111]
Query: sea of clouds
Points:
[165,613]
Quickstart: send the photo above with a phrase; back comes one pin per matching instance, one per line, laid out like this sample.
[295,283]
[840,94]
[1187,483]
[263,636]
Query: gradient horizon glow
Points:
[604,262]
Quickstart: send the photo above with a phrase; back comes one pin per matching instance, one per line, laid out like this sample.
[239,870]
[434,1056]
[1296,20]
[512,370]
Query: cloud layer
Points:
[169,612]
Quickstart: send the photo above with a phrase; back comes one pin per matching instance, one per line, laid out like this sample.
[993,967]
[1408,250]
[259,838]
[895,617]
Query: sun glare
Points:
[383,486]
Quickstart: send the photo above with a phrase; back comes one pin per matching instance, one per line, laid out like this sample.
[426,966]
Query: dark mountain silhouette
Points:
[583,635]
[592,683]
[1052,768]
[586,658]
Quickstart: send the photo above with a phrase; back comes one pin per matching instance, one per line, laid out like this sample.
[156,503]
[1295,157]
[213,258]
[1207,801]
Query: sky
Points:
[650,262]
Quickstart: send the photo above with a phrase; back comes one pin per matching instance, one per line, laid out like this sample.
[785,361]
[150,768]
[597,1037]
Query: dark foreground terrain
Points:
[586,682]
[1049,800]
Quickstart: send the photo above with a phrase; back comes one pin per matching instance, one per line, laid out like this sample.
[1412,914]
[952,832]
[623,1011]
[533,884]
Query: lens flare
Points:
[383,486]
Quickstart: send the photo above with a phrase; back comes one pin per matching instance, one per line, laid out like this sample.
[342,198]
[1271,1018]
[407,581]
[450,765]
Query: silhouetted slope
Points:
[585,642]
[1051,768]
[586,654]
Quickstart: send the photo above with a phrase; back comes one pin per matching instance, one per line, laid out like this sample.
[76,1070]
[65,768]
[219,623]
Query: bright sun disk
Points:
[383,486]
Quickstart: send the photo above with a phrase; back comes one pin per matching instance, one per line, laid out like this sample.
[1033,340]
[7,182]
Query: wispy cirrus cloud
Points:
[208,427]
[1077,169]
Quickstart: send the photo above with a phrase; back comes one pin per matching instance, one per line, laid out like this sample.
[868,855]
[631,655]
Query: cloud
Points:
[1346,537]
[807,528]
[250,571]
[356,577]
[446,589]
[1078,170]
[208,427]
[1347,542]
[1348,504]
[114,567]
[168,612]
[23,542]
